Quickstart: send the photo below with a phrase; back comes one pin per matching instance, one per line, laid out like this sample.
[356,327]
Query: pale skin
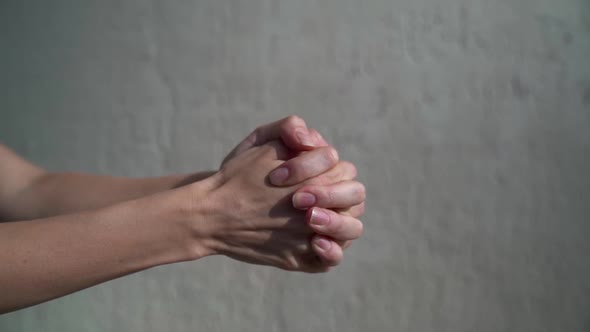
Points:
[67,231]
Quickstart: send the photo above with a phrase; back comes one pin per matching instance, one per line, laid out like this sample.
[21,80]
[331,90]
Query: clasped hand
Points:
[283,198]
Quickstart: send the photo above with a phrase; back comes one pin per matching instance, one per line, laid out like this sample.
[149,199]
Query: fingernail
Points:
[304,138]
[323,244]
[319,217]
[303,200]
[278,176]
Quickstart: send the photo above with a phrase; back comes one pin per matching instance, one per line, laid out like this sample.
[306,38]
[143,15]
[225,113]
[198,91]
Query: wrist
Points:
[194,209]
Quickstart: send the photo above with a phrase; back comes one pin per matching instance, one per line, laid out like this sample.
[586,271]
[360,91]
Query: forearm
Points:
[52,194]
[48,258]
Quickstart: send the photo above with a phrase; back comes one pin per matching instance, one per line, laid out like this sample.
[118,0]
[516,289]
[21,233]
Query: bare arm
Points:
[47,258]
[16,176]
[50,257]
[29,192]
[235,212]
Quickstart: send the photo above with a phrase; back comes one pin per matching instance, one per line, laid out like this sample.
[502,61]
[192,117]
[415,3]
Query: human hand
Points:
[331,195]
[251,220]
[292,131]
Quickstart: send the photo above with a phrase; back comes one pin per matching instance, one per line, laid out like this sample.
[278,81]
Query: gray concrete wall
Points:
[469,121]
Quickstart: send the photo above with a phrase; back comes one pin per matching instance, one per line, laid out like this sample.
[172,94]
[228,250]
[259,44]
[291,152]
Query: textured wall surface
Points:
[469,121]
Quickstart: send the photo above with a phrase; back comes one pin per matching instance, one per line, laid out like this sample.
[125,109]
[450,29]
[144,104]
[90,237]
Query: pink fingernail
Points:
[278,176]
[304,138]
[303,200]
[323,244]
[319,217]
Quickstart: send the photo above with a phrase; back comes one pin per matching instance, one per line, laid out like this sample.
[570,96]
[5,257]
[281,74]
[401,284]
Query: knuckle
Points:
[327,196]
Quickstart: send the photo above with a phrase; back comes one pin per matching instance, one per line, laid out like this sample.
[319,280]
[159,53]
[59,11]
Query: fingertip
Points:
[322,243]
[330,156]
[304,139]
[310,164]
[317,137]
[297,139]
[355,211]
[335,155]
[295,134]
[319,219]
[308,215]
[279,176]
[294,120]
[350,170]
[327,250]
[303,200]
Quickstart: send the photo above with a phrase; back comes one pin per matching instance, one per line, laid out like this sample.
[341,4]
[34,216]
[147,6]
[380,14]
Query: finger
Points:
[343,194]
[334,225]
[345,244]
[329,252]
[292,130]
[317,138]
[277,151]
[354,211]
[344,170]
[312,263]
[304,166]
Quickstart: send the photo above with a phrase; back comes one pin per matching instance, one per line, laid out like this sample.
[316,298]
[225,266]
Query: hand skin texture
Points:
[322,193]
[262,227]
[79,237]
[28,192]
